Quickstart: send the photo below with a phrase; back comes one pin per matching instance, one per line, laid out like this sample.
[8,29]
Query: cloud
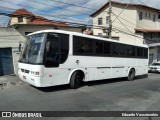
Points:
[62,12]
[3,21]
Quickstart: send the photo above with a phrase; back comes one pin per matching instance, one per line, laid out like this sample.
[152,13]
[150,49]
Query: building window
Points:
[149,15]
[140,15]
[158,16]
[146,15]
[99,21]
[107,19]
[100,34]
[154,18]
[20,19]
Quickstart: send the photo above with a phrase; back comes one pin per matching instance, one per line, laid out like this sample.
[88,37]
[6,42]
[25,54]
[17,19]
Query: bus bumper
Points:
[35,81]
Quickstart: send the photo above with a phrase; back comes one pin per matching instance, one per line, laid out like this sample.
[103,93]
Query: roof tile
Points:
[121,3]
[35,20]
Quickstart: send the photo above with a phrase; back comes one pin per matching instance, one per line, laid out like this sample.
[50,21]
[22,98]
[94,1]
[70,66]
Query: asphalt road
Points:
[142,94]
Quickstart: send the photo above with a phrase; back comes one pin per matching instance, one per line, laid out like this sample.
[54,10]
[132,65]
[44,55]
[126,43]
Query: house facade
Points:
[26,22]
[136,24]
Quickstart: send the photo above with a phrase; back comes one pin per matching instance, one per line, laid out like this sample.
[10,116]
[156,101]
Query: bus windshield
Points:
[34,49]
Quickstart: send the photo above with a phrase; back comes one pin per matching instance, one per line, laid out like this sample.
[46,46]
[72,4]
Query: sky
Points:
[76,11]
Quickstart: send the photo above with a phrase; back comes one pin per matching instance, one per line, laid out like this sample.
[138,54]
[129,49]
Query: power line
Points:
[71,23]
[129,33]
[73,5]
[99,27]
[125,26]
[132,18]
[42,3]
[43,10]
[32,8]
[121,11]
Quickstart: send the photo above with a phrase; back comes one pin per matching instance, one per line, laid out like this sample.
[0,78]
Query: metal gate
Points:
[150,59]
[158,54]
[6,61]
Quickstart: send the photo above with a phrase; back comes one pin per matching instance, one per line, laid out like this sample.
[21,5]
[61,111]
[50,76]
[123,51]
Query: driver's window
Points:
[52,50]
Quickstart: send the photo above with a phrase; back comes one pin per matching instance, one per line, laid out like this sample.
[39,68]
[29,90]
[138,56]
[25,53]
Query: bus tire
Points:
[131,75]
[76,79]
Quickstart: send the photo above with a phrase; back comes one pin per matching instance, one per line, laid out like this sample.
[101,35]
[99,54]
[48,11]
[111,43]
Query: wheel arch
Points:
[71,73]
[130,69]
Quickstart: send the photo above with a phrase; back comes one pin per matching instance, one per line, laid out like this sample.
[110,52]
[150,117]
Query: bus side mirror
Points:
[49,62]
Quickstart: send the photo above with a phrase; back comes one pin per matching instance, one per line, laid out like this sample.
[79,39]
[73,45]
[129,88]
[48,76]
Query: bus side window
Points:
[107,48]
[64,47]
[52,52]
[145,53]
[99,47]
[140,52]
[88,46]
[78,45]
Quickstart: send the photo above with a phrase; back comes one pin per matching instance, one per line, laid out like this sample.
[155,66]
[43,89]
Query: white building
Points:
[135,20]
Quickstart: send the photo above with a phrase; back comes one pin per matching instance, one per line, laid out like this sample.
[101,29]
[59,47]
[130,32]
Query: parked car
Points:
[155,67]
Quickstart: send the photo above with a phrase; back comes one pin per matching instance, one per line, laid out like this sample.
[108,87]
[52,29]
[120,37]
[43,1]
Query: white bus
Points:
[56,57]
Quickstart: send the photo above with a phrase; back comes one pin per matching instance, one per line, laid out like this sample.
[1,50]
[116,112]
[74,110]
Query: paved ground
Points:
[143,94]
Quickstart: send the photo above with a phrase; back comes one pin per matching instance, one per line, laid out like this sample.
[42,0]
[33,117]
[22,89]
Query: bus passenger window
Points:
[107,48]
[139,52]
[99,48]
[51,51]
[78,45]
[88,47]
[115,48]
[64,47]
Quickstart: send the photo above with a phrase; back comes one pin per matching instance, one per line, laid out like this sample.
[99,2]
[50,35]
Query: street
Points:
[142,94]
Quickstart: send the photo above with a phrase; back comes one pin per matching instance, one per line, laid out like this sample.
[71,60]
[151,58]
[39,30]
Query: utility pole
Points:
[110,20]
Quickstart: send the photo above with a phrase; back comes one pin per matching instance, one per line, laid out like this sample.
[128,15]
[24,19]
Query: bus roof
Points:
[83,35]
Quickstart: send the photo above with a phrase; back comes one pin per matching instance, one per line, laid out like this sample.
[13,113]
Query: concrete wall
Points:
[146,22]
[14,20]
[9,37]
[30,28]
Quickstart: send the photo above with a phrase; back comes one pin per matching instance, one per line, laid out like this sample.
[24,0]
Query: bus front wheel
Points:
[131,75]
[76,79]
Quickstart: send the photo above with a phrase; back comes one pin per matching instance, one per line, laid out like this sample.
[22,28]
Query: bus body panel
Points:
[94,67]
[55,76]
[26,73]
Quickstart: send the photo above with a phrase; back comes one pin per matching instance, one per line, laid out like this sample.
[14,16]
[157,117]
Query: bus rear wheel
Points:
[131,75]
[76,79]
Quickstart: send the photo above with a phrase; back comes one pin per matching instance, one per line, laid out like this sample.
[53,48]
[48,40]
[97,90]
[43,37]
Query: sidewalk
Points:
[9,80]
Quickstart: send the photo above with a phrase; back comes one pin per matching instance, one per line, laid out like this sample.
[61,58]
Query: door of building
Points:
[6,61]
